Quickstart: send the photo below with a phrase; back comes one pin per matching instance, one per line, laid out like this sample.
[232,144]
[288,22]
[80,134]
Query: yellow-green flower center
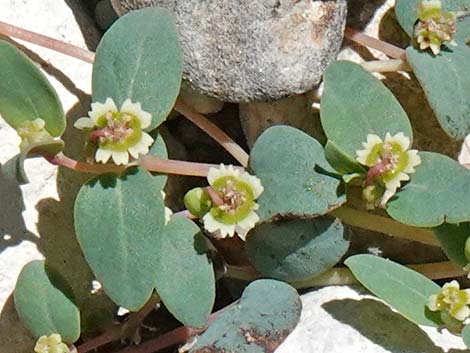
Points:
[117,131]
[387,160]
[236,200]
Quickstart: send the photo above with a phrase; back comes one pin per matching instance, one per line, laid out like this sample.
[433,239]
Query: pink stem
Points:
[168,166]
[47,42]
[213,131]
[178,336]
[365,40]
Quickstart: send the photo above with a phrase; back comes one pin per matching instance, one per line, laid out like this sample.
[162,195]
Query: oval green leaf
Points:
[140,58]
[118,221]
[295,185]
[267,312]
[25,92]
[445,79]
[42,306]
[403,289]
[185,278]
[296,249]
[466,335]
[158,149]
[452,238]
[354,104]
[439,191]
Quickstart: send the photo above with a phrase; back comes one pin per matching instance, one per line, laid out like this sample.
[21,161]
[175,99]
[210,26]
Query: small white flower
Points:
[390,162]
[451,299]
[118,133]
[434,26]
[51,344]
[233,194]
[32,132]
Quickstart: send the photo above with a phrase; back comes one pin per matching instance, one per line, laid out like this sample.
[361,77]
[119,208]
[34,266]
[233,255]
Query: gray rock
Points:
[245,50]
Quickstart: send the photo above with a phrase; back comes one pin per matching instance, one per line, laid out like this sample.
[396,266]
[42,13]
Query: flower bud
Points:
[198,202]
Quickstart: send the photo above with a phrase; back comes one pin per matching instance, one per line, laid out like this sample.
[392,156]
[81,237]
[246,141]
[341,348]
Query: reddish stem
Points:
[185,213]
[213,131]
[64,161]
[168,166]
[365,40]
[47,42]
[178,336]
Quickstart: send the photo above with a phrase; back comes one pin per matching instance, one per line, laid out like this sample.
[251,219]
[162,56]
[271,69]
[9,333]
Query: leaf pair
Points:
[120,225]
[294,240]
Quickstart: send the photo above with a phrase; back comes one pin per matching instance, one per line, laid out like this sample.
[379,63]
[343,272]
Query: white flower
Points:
[32,132]
[390,162]
[51,344]
[233,194]
[118,133]
[451,299]
[434,26]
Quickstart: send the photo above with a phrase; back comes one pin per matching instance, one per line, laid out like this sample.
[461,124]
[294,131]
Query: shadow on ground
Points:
[378,323]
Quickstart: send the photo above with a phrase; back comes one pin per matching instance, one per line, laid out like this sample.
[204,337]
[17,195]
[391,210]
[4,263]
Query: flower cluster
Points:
[390,162]
[51,344]
[32,132]
[117,133]
[434,26]
[228,205]
[452,303]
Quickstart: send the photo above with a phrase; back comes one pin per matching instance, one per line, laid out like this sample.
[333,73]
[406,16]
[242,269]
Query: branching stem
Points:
[169,166]
[47,42]
[213,131]
[123,331]
[392,65]
[342,276]
[152,164]
[374,43]
[366,220]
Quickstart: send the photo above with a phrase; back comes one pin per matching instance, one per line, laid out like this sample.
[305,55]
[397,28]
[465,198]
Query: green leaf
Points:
[118,221]
[293,184]
[342,162]
[407,15]
[439,191]
[403,289]
[354,104]
[452,238]
[140,58]
[25,92]
[184,275]
[158,149]
[296,249]
[445,79]
[43,303]
[267,312]
[15,166]
[466,335]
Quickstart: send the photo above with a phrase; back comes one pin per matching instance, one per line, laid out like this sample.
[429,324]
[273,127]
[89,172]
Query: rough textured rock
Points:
[245,50]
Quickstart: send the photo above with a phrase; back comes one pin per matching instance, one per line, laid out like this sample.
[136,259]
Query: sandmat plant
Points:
[290,200]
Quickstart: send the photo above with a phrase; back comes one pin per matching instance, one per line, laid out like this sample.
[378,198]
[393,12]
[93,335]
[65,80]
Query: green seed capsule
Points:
[467,249]
[198,202]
